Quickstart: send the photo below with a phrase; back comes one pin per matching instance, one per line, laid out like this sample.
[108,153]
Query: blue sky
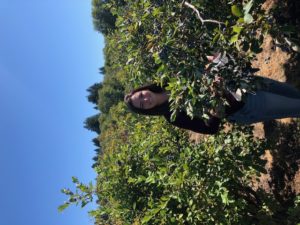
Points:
[49,56]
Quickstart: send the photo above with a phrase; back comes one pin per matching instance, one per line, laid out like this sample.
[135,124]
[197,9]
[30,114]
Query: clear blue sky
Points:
[49,56]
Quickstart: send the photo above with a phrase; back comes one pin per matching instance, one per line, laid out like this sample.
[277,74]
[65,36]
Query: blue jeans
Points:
[275,100]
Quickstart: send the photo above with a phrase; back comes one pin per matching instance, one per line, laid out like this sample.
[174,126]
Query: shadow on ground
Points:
[284,141]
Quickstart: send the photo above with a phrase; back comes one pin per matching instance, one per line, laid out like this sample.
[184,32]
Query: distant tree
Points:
[102,70]
[92,123]
[111,93]
[95,158]
[103,19]
[96,142]
[93,93]
[98,151]
[94,165]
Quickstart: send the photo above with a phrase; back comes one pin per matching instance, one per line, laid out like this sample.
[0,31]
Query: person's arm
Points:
[196,124]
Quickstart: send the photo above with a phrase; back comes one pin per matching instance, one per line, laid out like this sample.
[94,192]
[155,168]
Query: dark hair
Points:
[157,110]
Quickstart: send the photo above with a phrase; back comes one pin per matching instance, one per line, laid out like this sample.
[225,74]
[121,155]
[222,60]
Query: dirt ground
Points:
[283,158]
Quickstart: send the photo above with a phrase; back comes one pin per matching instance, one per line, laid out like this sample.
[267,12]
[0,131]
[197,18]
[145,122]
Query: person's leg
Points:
[265,106]
[279,88]
[278,106]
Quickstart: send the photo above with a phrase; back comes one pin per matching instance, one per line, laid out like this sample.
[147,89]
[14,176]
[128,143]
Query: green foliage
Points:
[93,93]
[294,212]
[157,176]
[82,196]
[96,142]
[110,94]
[286,30]
[92,123]
[164,42]
[103,20]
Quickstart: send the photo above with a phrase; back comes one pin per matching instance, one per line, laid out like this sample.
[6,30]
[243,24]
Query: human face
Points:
[144,99]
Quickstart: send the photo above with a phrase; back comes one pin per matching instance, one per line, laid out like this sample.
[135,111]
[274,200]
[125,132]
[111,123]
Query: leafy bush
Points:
[167,43]
[159,177]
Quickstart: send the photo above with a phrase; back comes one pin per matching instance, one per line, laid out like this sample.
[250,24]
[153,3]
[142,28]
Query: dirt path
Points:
[283,160]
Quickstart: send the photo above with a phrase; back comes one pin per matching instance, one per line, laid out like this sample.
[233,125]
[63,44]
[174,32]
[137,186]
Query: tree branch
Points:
[198,14]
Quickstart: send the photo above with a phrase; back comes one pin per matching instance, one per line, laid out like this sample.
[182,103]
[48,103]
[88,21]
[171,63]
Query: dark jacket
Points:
[195,124]
[211,126]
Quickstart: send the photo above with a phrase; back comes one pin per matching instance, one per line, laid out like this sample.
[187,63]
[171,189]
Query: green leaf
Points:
[150,179]
[236,11]
[91,186]
[237,29]
[134,206]
[248,7]
[240,20]
[185,167]
[146,219]
[94,213]
[248,18]
[65,191]
[63,207]
[155,211]
[83,203]
[149,37]
[131,180]
[156,11]
[156,58]
[224,197]
[75,180]
[161,68]
[234,38]
[216,37]
[83,188]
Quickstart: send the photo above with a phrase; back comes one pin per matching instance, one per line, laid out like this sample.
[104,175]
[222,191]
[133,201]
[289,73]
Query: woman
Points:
[276,100]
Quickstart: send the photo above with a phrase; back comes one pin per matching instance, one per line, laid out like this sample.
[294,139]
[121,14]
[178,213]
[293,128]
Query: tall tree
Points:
[93,93]
[102,70]
[96,142]
[91,123]
[111,93]
[103,19]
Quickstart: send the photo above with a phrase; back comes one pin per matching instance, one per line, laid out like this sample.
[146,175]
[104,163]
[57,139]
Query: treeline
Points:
[148,171]
[103,95]
[110,92]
